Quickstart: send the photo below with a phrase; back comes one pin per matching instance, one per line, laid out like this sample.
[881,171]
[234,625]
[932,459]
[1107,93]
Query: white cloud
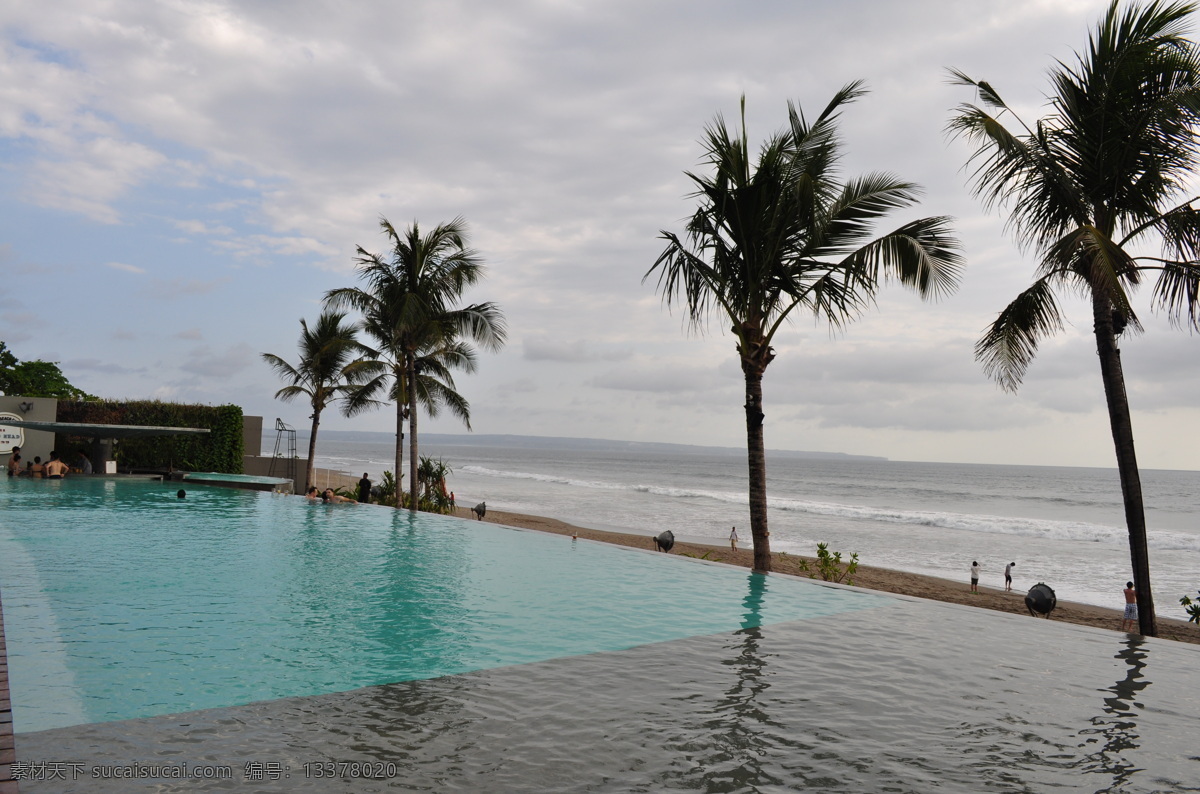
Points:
[240,151]
[126,268]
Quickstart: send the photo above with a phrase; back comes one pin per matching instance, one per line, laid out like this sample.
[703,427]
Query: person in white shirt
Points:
[1008,576]
[975,569]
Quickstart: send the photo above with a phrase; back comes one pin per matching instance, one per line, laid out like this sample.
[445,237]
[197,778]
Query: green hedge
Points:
[219,451]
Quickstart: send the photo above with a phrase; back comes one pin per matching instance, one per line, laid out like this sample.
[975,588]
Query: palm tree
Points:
[410,308]
[435,388]
[328,370]
[1088,187]
[782,234]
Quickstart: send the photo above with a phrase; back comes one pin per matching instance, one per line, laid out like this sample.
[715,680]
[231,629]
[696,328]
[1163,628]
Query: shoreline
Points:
[868,577]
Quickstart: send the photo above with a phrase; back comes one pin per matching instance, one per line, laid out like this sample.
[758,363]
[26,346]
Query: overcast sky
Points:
[183,181]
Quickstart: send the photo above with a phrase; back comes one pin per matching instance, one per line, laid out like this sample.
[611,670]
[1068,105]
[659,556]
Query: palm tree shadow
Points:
[1116,729]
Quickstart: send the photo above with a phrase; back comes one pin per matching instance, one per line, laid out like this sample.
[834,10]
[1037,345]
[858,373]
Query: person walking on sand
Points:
[975,569]
[1008,576]
[1130,621]
[733,538]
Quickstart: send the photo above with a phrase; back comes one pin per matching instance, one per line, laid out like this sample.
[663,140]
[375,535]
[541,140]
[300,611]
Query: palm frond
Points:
[1010,343]
[1178,292]
[923,255]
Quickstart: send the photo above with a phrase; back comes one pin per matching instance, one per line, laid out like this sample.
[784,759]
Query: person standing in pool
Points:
[14,463]
[364,489]
[975,569]
[1129,623]
[1008,576]
[56,469]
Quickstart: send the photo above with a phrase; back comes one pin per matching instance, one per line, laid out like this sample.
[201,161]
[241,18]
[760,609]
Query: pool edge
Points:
[8,752]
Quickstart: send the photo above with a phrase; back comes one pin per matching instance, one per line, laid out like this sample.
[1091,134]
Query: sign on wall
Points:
[10,436]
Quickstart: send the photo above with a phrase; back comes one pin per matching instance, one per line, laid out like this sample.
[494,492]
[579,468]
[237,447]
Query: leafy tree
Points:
[410,309]
[329,370]
[1089,187]
[781,234]
[36,378]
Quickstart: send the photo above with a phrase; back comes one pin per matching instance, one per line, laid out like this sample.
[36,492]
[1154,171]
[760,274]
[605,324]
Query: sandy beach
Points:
[872,578]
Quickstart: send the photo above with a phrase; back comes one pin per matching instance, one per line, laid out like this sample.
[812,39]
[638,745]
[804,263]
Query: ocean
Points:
[1062,526]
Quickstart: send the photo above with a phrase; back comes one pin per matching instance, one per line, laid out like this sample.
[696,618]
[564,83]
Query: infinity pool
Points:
[239,641]
[124,601]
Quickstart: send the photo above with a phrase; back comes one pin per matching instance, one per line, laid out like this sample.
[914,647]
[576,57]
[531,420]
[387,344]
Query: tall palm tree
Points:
[329,370]
[410,308]
[1089,187]
[435,388]
[783,234]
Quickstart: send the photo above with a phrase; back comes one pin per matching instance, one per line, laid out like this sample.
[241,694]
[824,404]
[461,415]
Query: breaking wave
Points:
[1047,529]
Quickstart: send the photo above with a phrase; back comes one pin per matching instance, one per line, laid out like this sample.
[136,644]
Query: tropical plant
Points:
[431,475]
[782,234]
[330,369]
[387,489]
[1088,187]
[410,308]
[1192,608]
[829,566]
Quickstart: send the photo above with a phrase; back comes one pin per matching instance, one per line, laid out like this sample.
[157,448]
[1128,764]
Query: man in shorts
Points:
[975,569]
[1008,576]
[56,469]
[1131,615]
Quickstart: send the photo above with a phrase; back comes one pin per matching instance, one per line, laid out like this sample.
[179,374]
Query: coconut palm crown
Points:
[782,233]
[1099,189]
[330,369]
[410,308]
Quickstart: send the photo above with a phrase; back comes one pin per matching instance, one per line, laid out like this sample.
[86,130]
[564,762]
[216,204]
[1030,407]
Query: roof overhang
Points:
[106,431]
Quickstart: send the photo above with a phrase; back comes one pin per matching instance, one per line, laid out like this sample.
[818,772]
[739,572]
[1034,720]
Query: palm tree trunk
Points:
[1131,483]
[312,450]
[412,433]
[757,462]
[399,449]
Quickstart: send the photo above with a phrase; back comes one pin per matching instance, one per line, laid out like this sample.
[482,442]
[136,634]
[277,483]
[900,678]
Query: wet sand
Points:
[872,578]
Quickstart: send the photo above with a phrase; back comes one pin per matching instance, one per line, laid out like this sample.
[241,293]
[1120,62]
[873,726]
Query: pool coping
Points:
[8,752]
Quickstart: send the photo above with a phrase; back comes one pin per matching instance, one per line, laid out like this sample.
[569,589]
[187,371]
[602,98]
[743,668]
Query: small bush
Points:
[830,566]
[1192,608]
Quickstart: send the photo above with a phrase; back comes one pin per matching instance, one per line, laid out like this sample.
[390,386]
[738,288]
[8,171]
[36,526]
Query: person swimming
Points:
[329,497]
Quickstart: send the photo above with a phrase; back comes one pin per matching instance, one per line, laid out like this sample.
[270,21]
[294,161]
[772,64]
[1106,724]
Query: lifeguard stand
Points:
[285,435]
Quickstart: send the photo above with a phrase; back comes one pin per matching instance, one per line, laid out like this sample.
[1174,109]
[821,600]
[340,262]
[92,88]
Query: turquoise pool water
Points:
[122,601]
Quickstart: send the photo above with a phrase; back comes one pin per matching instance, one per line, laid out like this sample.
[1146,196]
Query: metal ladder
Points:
[286,465]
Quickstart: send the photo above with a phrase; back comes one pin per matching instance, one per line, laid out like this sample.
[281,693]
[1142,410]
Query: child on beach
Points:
[975,569]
